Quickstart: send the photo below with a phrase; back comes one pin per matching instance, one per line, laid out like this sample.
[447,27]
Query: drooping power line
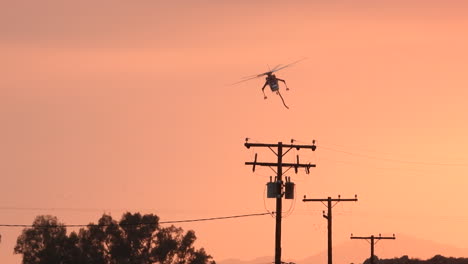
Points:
[395,160]
[140,224]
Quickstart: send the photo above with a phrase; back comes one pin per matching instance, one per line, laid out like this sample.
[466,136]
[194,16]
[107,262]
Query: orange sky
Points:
[127,106]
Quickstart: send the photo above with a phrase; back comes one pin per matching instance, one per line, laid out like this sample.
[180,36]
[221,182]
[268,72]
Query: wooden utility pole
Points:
[328,216]
[281,150]
[372,241]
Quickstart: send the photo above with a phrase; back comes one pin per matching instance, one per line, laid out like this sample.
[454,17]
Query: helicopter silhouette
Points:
[271,80]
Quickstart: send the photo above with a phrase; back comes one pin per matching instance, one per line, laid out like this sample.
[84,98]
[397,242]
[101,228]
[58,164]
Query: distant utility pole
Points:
[328,216]
[371,240]
[278,184]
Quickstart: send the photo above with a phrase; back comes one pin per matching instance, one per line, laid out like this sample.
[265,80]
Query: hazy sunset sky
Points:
[109,106]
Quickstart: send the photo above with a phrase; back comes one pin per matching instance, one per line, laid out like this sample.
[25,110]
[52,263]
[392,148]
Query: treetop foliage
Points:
[135,239]
[437,259]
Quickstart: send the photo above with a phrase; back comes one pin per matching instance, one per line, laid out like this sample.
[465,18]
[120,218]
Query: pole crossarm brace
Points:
[281,164]
[288,146]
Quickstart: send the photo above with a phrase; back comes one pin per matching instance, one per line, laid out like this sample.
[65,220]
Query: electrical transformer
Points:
[272,189]
[289,190]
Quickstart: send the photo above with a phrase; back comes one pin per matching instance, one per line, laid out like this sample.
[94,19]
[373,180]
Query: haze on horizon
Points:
[116,106]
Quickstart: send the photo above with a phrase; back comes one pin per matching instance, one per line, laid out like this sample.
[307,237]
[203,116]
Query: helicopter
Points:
[271,80]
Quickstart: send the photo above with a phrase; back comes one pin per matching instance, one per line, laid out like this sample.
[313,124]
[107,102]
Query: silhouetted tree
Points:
[437,259]
[368,261]
[46,242]
[135,239]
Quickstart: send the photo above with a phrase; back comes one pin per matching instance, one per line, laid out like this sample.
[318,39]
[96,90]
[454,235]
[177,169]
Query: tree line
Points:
[135,239]
[437,259]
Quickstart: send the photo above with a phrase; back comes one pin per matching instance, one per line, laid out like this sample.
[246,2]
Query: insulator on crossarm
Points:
[255,163]
[297,166]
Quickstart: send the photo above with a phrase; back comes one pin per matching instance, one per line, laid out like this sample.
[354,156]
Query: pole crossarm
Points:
[373,237]
[269,145]
[270,164]
[333,200]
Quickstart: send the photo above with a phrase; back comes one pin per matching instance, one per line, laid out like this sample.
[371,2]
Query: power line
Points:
[12,208]
[141,224]
[396,160]
[213,218]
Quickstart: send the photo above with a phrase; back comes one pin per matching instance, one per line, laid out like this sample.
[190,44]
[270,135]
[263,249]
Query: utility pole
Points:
[372,241]
[281,150]
[328,216]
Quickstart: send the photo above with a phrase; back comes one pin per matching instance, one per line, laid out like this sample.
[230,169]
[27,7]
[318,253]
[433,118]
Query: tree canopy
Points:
[437,259]
[135,239]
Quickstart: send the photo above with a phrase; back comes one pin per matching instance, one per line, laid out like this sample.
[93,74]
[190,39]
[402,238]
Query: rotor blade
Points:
[248,79]
[274,68]
[256,75]
[287,65]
